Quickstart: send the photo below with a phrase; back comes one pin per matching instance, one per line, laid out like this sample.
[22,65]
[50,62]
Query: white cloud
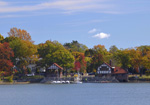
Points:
[101,35]
[71,6]
[65,5]
[92,31]
[2,3]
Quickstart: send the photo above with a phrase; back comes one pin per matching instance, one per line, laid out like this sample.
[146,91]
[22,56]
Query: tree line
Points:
[19,49]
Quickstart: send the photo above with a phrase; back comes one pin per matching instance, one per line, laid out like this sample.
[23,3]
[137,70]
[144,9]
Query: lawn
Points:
[138,76]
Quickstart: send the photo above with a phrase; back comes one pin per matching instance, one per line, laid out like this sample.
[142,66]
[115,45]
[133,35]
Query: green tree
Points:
[113,49]
[144,61]
[62,57]
[123,57]
[75,46]
[1,38]
[89,53]
[54,52]
[47,48]
[9,39]
[22,48]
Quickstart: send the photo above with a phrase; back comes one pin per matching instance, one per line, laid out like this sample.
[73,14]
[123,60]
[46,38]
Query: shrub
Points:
[10,78]
[147,73]
[29,71]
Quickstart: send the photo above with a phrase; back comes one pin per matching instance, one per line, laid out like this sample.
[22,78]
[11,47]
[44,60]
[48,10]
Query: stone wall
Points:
[83,79]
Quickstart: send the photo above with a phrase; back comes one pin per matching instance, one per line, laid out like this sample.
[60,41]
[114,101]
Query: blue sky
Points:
[124,23]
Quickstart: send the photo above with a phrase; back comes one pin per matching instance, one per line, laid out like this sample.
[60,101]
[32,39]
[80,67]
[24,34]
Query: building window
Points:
[104,68]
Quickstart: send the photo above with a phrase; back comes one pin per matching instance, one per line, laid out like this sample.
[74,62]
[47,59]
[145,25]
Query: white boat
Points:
[60,82]
[77,81]
[68,82]
[63,81]
[56,82]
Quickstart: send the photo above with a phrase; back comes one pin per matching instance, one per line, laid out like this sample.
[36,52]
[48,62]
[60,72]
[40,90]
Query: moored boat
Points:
[60,82]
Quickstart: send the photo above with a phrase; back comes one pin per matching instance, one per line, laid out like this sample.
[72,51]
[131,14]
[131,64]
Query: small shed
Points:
[54,71]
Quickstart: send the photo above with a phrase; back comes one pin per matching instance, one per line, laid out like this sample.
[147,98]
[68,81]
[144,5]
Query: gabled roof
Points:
[118,70]
[55,66]
[107,64]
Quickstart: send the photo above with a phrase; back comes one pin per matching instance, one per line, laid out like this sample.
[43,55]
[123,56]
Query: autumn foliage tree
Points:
[22,34]
[98,55]
[144,58]
[135,59]
[20,49]
[5,58]
[80,63]
[77,66]
[24,51]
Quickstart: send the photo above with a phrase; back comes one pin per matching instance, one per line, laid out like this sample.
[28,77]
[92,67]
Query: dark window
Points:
[104,68]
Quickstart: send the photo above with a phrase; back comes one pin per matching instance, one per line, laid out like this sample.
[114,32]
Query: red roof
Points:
[58,66]
[118,70]
[107,64]
[55,66]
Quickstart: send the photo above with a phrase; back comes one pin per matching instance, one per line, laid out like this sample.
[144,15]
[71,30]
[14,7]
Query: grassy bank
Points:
[12,83]
[139,77]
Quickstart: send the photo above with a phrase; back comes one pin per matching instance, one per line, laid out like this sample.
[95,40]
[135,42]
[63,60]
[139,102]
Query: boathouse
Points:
[106,70]
[54,71]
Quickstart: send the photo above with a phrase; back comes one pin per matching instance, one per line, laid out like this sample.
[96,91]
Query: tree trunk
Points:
[141,72]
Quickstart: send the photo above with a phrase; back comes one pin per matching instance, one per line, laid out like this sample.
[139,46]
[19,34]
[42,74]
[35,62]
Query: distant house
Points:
[104,70]
[32,67]
[120,74]
[107,70]
[54,71]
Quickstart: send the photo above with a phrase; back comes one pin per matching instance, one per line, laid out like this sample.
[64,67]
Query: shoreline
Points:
[13,83]
[21,83]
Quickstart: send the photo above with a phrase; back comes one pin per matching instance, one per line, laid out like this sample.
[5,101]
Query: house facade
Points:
[104,70]
[54,71]
[107,70]
[32,67]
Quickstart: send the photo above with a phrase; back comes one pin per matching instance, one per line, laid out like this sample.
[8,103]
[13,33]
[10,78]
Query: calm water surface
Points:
[76,94]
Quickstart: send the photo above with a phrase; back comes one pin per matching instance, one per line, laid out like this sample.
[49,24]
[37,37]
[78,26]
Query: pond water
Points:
[76,94]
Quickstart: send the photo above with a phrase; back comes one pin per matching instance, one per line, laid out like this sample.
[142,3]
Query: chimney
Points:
[110,62]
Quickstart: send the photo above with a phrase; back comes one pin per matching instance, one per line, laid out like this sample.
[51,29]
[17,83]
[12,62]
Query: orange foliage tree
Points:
[22,34]
[98,55]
